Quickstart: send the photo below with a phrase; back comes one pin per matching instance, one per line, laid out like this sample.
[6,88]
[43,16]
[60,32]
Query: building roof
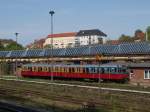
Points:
[114,42]
[59,35]
[91,32]
[139,48]
[130,64]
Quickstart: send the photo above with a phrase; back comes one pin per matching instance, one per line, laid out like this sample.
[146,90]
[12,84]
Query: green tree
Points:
[14,46]
[139,35]
[48,46]
[126,38]
[148,33]
[1,47]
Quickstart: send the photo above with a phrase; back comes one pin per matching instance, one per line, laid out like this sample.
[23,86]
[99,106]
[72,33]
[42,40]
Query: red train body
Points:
[75,71]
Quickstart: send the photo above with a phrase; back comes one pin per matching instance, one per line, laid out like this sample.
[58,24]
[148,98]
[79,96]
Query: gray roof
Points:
[129,64]
[90,32]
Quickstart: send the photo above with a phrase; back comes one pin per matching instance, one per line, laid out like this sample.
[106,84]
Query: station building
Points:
[140,73]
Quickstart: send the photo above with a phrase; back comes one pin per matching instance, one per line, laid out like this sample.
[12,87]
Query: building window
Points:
[147,74]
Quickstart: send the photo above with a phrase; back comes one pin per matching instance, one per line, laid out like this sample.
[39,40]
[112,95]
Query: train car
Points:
[103,72]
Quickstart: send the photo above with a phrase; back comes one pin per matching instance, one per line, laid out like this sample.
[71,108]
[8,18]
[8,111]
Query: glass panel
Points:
[146,74]
[112,70]
[149,75]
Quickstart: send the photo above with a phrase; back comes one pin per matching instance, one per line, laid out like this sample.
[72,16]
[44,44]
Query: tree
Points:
[125,38]
[1,47]
[14,46]
[148,33]
[48,46]
[139,35]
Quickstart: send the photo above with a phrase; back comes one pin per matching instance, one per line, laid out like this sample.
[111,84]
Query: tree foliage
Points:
[48,46]
[8,44]
[139,35]
[126,38]
[14,46]
[1,46]
[148,33]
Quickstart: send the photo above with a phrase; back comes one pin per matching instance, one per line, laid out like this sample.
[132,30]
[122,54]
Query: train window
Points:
[93,70]
[90,70]
[96,70]
[87,70]
[119,70]
[59,69]
[73,70]
[123,70]
[76,70]
[84,70]
[30,68]
[24,68]
[65,69]
[113,70]
[49,69]
[39,69]
[52,69]
[69,70]
[102,70]
[81,70]
[45,69]
[56,69]
[106,70]
[33,69]
[62,69]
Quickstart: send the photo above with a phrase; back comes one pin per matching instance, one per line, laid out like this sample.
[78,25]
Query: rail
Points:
[80,86]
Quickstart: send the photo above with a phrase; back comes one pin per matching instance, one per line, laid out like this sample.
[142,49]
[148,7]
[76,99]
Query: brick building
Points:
[139,73]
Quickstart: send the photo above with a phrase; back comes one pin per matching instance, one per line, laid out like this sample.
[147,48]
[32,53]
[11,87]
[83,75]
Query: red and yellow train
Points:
[111,72]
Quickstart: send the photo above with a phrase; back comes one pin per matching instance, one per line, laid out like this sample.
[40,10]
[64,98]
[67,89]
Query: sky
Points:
[31,18]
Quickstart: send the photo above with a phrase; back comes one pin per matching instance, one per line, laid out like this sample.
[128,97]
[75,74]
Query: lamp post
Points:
[51,12]
[16,34]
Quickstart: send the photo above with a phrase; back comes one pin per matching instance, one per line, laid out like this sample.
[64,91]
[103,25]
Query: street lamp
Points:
[52,13]
[16,34]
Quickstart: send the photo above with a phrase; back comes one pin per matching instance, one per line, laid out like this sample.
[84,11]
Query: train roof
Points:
[71,65]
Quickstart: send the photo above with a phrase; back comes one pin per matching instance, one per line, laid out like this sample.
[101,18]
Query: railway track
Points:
[84,103]
[9,107]
[80,86]
[17,91]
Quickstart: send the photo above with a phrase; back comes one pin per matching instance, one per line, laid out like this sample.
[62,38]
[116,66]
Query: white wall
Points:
[84,40]
[60,42]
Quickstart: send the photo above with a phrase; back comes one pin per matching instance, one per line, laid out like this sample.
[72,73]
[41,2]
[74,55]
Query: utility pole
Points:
[16,64]
[52,13]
